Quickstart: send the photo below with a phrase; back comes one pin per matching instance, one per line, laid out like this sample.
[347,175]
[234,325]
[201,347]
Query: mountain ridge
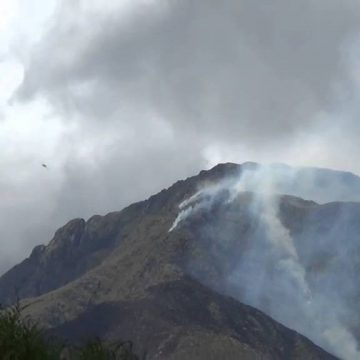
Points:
[118,258]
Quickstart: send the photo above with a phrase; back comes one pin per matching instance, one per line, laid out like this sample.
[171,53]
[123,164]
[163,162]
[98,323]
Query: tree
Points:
[21,339]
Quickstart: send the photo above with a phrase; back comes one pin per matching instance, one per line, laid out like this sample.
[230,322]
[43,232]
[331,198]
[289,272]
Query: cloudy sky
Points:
[121,98]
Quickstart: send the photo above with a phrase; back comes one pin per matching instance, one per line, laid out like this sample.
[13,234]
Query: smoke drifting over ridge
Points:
[296,260]
[137,94]
[155,93]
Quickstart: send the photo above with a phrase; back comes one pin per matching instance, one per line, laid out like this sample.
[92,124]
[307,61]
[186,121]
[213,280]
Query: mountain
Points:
[173,273]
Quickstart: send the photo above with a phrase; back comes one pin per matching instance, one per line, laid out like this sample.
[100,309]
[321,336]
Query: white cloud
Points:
[8,10]
[11,77]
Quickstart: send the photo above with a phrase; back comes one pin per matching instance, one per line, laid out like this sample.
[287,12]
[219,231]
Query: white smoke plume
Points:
[290,298]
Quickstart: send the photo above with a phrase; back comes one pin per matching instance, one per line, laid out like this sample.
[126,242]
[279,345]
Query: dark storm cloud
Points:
[147,91]
[249,70]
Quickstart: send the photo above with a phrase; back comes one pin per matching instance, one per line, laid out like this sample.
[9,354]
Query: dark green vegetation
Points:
[21,339]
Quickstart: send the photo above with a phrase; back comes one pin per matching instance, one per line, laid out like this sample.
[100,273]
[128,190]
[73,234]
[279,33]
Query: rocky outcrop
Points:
[76,248]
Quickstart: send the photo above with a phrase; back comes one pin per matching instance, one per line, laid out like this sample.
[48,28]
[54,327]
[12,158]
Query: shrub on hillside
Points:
[21,339]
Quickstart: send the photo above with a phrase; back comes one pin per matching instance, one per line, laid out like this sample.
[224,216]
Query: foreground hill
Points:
[125,275]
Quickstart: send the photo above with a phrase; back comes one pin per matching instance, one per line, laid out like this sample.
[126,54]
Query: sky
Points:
[122,98]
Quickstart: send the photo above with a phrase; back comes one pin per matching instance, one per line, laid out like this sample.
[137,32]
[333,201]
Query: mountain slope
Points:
[80,246]
[182,319]
[140,281]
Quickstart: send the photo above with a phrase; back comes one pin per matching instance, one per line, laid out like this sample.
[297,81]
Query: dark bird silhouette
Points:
[44,166]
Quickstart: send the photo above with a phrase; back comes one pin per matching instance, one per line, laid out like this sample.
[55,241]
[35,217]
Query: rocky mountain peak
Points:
[126,275]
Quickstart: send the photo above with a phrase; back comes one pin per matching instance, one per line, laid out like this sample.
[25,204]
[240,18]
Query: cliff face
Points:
[125,275]
[75,248]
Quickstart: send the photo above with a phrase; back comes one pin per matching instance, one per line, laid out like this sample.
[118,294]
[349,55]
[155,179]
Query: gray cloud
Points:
[146,94]
[244,70]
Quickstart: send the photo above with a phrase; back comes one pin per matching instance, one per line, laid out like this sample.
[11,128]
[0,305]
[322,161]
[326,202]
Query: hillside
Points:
[180,294]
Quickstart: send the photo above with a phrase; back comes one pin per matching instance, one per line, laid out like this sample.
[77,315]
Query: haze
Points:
[121,98]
